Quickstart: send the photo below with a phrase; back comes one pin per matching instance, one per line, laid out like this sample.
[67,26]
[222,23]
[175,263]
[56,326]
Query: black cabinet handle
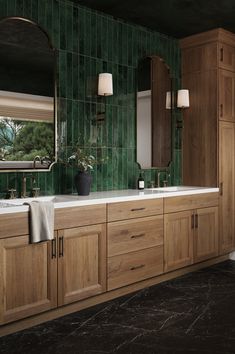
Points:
[221,54]
[196,221]
[53,248]
[137,267]
[192,221]
[137,209]
[138,236]
[61,246]
[221,110]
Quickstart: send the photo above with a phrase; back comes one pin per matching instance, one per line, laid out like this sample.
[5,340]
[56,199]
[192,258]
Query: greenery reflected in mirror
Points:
[23,140]
[154,113]
[27,96]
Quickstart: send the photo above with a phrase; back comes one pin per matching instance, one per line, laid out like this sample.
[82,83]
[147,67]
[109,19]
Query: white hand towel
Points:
[41,221]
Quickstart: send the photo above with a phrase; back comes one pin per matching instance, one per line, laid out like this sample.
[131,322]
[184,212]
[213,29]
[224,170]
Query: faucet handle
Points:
[11,193]
[35,192]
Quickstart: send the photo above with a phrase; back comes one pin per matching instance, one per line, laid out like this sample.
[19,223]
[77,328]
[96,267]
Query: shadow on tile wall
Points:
[87,43]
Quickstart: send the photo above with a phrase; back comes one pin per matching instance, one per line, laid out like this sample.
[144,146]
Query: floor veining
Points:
[194,313]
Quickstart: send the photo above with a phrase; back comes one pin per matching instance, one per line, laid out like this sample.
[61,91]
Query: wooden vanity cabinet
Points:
[135,242]
[208,134]
[81,263]
[39,277]
[190,236]
[28,278]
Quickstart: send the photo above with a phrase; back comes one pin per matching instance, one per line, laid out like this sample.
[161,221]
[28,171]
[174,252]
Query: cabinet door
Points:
[206,242]
[226,57]
[178,231]
[81,263]
[226,95]
[28,278]
[226,179]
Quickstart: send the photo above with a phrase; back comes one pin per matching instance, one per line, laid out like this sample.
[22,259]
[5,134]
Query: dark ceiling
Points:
[177,18]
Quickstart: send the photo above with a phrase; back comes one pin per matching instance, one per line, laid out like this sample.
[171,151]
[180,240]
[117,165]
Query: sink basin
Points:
[20,201]
[173,189]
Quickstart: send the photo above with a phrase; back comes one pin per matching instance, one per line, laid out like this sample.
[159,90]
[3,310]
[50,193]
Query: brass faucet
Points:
[24,182]
[158,180]
[36,158]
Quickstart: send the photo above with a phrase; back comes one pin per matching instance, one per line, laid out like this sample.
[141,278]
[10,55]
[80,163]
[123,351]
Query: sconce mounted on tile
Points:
[183,98]
[182,103]
[105,88]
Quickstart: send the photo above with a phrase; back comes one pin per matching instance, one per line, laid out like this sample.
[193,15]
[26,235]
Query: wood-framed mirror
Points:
[154,113]
[27,97]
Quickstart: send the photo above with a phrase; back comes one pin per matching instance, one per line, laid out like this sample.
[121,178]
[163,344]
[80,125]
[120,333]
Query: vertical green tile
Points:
[88,43]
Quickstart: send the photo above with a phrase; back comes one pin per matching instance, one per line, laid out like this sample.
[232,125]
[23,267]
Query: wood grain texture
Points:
[82,267]
[200,130]
[226,56]
[226,107]
[133,235]
[178,240]
[28,278]
[20,226]
[226,177]
[204,38]
[80,216]
[134,266]
[134,209]
[206,234]
[189,202]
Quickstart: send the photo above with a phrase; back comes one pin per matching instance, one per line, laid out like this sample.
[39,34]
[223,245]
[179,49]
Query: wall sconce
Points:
[105,88]
[169,100]
[182,102]
[183,98]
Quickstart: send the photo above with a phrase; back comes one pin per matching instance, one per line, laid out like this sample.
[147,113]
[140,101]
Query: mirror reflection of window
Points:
[27,95]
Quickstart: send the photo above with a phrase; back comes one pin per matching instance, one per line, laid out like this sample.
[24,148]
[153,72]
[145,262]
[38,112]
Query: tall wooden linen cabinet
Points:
[208,71]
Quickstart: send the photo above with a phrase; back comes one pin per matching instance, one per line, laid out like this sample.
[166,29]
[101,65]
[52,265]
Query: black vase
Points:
[82,182]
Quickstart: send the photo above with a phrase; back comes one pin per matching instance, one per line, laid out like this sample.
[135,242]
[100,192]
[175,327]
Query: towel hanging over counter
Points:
[41,220]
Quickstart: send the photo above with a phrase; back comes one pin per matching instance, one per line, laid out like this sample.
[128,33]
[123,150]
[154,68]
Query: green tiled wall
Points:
[89,42]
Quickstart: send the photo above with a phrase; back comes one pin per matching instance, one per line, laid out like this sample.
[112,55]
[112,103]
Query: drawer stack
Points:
[135,241]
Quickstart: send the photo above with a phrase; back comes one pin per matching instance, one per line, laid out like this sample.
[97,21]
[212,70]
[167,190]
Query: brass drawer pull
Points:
[61,246]
[138,236]
[138,267]
[53,248]
[137,209]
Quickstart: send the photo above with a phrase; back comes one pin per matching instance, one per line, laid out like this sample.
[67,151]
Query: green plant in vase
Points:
[84,163]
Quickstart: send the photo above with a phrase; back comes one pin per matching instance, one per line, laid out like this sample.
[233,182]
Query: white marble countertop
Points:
[71,200]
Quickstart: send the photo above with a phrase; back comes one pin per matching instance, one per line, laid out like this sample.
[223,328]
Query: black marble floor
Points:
[191,314]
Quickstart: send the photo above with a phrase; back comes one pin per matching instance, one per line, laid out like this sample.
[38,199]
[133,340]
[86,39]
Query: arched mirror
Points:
[154,113]
[27,96]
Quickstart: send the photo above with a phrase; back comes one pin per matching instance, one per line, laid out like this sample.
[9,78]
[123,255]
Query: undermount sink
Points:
[19,201]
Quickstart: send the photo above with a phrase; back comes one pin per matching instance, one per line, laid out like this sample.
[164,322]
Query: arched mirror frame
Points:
[18,166]
[148,123]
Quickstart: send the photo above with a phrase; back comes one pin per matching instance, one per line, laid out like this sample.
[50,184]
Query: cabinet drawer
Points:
[187,202]
[80,216]
[133,235]
[20,226]
[129,210]
[135,266]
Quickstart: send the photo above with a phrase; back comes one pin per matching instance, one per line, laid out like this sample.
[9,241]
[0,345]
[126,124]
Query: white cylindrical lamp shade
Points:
[105,84]
[168,100]
[183,98]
